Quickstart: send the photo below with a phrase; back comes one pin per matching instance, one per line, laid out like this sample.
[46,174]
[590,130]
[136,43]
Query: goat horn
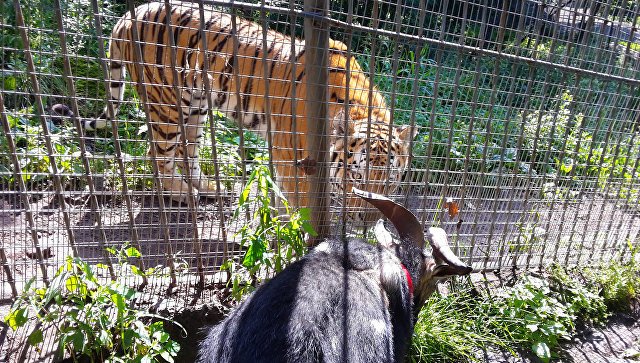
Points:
[406,223]
[437,238]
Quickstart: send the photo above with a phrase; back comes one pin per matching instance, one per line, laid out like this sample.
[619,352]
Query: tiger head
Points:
[367,152]
[371,156]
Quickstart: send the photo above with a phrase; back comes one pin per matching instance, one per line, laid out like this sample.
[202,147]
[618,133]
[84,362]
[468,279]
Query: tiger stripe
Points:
[368,113]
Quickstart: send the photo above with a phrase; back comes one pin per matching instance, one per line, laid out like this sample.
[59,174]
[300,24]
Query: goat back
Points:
[343,302]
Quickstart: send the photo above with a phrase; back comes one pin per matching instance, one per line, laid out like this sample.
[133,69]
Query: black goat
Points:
[346,301]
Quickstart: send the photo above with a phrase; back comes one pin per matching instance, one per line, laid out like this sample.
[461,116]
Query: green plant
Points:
[228,144]
[93,317]
[529,312]
[33,157]
[454,327]
[272,240]
[582,300]
[529,236]
[619,281]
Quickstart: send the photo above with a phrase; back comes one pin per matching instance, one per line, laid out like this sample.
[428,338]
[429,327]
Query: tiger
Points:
[366,150]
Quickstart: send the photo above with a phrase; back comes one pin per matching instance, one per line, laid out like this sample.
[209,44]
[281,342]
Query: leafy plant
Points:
[583,301]
[94,318]
[531,313]
[529,236]
[228,144]
[453,328]
[618,280]
[272,240]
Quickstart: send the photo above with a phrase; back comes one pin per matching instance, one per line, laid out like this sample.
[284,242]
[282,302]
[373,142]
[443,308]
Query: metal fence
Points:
[526,116]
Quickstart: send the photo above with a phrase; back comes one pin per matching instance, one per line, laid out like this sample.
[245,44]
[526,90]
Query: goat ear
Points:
[382,235]
[437,238]
[405,222]
[444,271]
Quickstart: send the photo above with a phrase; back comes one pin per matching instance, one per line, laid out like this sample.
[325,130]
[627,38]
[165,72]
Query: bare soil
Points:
[492,219]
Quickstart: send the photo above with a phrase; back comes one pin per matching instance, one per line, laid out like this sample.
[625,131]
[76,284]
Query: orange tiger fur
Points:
[388,154]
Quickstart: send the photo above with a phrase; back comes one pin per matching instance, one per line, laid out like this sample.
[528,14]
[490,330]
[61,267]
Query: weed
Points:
[582,300]
[619,281]
[453,328]
[92,317]
[530,313]
[272,240]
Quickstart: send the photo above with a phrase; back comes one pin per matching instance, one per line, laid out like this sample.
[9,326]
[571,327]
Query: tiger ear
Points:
[407,133]
[341,125]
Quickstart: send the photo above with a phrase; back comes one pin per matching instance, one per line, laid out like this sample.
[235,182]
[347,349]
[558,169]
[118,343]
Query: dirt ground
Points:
[492,219]
[616,342]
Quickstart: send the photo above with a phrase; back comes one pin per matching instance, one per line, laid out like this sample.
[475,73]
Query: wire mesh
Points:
[525,116]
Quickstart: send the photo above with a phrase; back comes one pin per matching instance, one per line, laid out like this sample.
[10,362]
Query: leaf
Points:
[104,338]
[541,349]
[76,286]
[307,227]
[16,318]
[77,339]
[452,207]
[244,196]
[120,304]
[127,339]
[254,253]
[136,271]
[167,356]
[132,252]
[142,129]
[35,338]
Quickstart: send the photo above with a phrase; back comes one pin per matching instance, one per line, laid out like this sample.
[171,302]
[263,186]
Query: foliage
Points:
[584,301]
[619,280]
[94,318]
[530,313]
[33,157]
[272,240]
[534,312]
[228,147]
[453,328]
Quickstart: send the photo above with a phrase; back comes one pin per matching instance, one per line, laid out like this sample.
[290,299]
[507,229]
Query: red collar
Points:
[409,280]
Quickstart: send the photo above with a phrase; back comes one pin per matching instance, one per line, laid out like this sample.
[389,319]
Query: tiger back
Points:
[232,68]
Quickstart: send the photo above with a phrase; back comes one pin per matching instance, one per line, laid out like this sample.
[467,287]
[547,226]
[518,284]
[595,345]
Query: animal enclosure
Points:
[513,125]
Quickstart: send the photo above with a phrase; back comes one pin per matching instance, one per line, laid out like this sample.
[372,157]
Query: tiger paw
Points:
[209,189]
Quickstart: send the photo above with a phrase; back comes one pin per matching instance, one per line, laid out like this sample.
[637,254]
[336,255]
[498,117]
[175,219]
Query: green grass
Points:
[534,314]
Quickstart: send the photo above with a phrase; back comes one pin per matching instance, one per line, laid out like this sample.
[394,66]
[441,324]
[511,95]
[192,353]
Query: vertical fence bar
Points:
[31,70]
[317,41]
[95,208]
[139,64]
[204,48]
[192,203]
[7,271]
[345,136]
[126,194]
[24,196]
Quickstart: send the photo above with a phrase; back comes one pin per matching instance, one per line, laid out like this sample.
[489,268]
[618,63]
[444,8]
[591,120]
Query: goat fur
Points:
[343,302]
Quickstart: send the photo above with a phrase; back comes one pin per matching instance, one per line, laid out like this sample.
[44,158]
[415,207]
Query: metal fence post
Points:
[317,41]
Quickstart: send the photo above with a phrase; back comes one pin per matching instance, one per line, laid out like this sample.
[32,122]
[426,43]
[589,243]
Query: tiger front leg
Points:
[164,149]
[205,185]
[195,115]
